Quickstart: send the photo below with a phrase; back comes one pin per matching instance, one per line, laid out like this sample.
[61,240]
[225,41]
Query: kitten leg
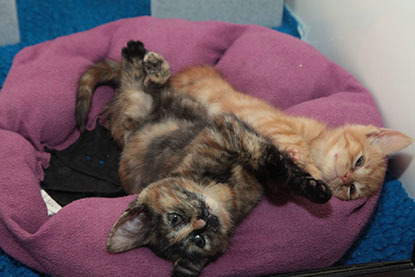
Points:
[132,72]
[131,104]
[267,161]
[283,170]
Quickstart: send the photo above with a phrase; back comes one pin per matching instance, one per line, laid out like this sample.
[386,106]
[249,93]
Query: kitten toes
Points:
[134,50]
[317,191]
[156,68]
[294,155]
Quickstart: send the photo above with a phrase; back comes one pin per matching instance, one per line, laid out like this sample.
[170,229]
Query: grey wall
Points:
[9,27]
[261,12]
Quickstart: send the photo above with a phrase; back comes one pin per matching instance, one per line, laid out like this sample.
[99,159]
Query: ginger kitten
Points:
[351,158]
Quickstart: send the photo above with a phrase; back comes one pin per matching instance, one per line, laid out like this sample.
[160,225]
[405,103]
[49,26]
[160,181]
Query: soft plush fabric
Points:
[37,110]
[390,235]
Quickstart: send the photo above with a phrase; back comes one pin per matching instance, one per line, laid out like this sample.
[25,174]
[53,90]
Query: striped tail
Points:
[102,73]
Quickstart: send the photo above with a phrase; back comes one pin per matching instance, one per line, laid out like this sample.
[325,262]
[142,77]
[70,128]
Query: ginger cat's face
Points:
[352,158]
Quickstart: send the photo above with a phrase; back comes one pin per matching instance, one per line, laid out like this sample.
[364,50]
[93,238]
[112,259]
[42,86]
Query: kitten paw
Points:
[316,191]
[294,155]
[132,60]
[134,51]
[156,68]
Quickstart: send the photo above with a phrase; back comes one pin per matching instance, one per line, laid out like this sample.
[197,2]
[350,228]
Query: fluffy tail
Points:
[102,73]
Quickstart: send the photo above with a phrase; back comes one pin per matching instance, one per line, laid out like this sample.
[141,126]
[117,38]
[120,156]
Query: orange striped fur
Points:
[305,139]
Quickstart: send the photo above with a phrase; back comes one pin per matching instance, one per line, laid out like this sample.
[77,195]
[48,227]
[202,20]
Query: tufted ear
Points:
[131,229]
[388,140]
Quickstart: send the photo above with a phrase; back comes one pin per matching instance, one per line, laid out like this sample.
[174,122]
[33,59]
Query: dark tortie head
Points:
[172,218]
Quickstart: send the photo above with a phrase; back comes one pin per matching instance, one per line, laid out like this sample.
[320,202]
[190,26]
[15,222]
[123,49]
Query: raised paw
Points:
[316,191]
[134,51]
[156,68]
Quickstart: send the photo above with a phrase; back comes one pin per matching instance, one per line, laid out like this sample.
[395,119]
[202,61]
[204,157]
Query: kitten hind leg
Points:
[132,72]
[132,104]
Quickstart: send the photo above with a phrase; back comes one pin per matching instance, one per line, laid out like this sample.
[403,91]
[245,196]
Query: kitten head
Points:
[352,158]
[172,218]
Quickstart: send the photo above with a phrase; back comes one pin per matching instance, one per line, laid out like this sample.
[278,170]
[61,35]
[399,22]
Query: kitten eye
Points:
[352,189]
[175,219]
[360,161]
[199,241]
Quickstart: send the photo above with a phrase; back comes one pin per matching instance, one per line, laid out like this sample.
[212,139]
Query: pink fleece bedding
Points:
[37,110]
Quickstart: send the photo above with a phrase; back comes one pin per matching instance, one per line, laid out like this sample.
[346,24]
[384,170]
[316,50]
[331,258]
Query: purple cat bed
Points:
[37,111]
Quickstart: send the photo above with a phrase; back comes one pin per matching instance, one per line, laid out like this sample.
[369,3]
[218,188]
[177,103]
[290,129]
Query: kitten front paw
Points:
[316,191]
[156,68]
[294,155]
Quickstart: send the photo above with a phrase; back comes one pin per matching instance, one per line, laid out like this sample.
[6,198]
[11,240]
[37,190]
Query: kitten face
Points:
[353,158]
[172,218]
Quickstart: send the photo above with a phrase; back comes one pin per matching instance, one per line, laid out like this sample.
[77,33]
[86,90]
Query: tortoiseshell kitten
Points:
[197,176]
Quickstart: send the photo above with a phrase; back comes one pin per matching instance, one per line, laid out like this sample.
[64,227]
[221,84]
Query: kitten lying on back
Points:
[197,175]
[351,159]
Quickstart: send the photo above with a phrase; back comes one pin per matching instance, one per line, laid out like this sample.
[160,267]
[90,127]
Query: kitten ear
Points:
[388,140]
[131,229]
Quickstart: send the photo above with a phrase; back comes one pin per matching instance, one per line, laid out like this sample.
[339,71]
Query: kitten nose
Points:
[198,224]
[346,178]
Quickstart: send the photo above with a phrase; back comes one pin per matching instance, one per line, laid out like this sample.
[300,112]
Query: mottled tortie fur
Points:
[197,174]
[350,158]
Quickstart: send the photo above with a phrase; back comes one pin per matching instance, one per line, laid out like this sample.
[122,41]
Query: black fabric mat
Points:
[88,168]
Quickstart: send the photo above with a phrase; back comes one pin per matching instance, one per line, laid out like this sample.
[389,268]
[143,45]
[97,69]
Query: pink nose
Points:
[199,224]
[346,178]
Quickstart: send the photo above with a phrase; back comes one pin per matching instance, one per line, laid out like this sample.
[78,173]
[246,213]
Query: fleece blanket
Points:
[37,111]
